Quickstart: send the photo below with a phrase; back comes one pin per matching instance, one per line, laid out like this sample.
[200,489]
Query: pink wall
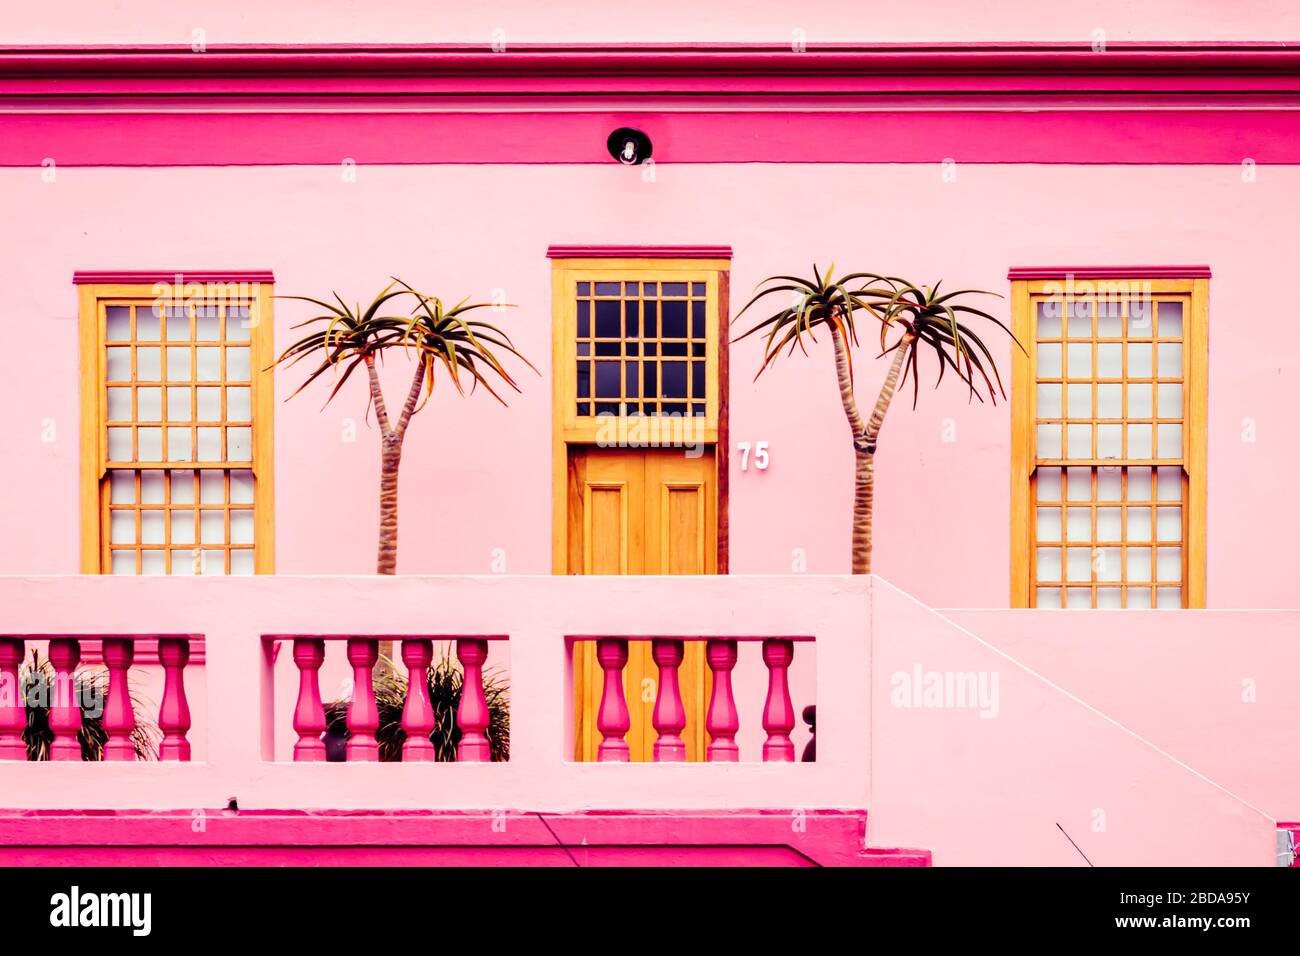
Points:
[405,21]
[415,222]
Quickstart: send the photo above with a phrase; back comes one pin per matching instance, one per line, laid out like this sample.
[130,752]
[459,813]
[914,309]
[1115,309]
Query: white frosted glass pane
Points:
[1169,359]
[1169,484]
[183,562]
[241,562]
[152,487]
[212,527]
[1049,320]
[209,401]
[207,324]
[1049,441]
[1139,564]
[178,325]
[148,326]
[1139,360]
[1078,597]
[1169,597]
[239,407]
[1079,360]
[209,444]
[178,364]
[1139,319]
[1078,524]
[1078,564]
[1169,320]
[241,526]
[1110,360]
[148,364]
[179,404]
[1079,484]
[1169,524]
[241,487]
[119,364]
[1170,398]
[1138,597]
[207,364]
[1139,524]
[1110,525]
[1049,564]
[237,364]
[1109,484]
[122,487]
[121,527]
[119,404]
[1080,441]
[118,323]
[1139,441]
[1079,319]
[1108,564]
[240,444]
[1139,401]
[1079,401]
[1048,524]
[1049,361]
[1171,441]
[1049,401]
[119,444]
[149,404]
[122,562]
[1169,564]
[214,562]
[179,445]
[1139,484]
[1110,441]
[1110,320]
[182,487]
[238,323]
[1108,597]
[149,441]
[1110,401]
[1048,597]
[182,527]
[153,527]
[212,487]
[1049,484]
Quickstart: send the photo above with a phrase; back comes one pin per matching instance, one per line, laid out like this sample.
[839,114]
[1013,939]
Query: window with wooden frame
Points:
[1108,438]
[177,413]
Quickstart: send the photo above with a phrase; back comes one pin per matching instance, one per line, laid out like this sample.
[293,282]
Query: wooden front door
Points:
[640,511]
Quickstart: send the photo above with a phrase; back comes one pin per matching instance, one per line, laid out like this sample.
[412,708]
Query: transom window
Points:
[178,469]
[1109,411]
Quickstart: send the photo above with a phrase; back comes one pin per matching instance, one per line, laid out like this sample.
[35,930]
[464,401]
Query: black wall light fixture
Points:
[631,147]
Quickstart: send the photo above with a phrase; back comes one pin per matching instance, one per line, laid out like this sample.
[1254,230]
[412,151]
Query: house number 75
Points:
[760,455]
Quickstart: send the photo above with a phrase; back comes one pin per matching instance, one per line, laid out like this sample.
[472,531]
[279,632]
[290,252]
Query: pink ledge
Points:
[638,252]
[150,276]
[435,838]
[1109,272]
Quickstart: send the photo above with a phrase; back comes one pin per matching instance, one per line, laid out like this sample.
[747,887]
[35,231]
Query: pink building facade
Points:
[1139,168]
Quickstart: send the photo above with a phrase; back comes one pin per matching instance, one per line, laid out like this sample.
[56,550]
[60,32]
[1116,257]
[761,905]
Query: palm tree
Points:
[353,338]
[918,314]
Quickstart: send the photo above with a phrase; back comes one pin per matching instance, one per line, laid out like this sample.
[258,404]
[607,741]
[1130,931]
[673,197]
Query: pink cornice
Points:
[1109,272]
[638,252]
[151,276]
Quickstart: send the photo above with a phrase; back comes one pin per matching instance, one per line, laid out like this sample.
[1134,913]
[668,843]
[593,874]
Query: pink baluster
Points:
[65,705]
[778,710]
[174,713]
[309,712]
[669,714]
[613,719]
[417,715]
[473,712]
[13,713]
[363,714]
[119,714]
[723,720]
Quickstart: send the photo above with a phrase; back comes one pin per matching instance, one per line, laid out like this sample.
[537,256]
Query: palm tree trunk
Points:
[390,461]
[865,438]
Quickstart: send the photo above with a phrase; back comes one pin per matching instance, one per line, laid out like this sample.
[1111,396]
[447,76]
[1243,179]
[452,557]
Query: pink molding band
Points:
[178,276]
[1109,272]
[638,252]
